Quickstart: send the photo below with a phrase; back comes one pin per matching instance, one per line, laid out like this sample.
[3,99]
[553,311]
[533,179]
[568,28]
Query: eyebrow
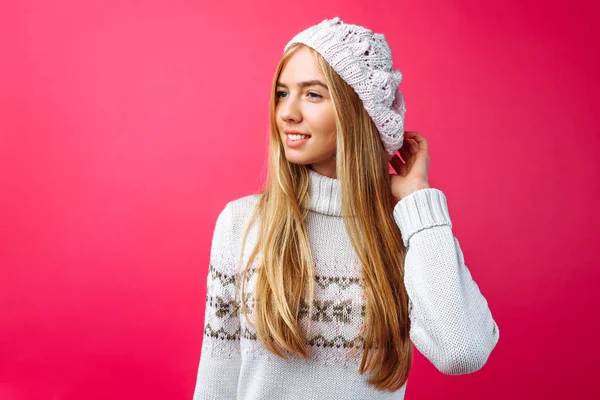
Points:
[304,84]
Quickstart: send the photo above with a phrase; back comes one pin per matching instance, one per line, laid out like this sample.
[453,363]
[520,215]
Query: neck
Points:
[325,196]
[328,169]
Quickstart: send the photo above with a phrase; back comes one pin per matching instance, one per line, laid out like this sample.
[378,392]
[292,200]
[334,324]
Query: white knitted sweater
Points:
[451,323]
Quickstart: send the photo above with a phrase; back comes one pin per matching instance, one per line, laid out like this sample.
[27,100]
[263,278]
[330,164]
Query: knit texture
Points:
[364,60]
[451,323]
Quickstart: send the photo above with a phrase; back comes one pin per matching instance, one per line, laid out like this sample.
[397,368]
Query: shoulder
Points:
[236,213]
[239,206]
[240,209]
[231,221]
[230,226]
[243,205]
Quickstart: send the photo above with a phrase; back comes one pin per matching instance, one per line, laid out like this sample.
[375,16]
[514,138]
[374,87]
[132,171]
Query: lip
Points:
[292,132]
[295,143]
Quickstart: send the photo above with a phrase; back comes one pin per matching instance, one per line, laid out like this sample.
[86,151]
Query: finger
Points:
[410,146]
[406,148]
[396,163]
[422,142]
[413,146]
[404,153]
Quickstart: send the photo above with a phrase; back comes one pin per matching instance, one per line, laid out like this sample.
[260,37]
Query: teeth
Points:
[298,137]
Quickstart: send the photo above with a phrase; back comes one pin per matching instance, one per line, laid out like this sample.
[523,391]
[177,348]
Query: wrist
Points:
[411,189]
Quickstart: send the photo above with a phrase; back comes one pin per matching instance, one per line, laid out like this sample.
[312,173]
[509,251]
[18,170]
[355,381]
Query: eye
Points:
[316,96]
[278,94]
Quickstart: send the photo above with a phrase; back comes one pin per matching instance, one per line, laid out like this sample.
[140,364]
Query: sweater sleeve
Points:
[220,359]
[451,323]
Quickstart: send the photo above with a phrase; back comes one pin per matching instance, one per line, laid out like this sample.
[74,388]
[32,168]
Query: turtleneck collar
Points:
[325,196]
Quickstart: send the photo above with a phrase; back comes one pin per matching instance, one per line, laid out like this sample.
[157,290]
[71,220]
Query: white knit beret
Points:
[364,60]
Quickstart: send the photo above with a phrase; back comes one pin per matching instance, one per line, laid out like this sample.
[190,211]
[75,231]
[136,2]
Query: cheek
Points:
[327,122]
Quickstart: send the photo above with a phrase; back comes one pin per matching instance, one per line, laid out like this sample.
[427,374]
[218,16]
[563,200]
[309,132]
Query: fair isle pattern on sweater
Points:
[323,310]
[451,323]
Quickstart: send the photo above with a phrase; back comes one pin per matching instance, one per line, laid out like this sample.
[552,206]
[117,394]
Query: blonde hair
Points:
[285,271]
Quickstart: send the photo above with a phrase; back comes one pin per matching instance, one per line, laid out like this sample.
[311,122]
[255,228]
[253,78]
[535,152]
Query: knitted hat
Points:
[364,60]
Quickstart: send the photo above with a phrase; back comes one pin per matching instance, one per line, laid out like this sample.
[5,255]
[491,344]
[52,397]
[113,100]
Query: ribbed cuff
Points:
[420,210]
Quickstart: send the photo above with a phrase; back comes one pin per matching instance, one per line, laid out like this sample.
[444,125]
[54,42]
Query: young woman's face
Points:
[306,107]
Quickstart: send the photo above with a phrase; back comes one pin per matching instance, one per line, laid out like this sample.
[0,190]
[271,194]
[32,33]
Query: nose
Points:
[289,109]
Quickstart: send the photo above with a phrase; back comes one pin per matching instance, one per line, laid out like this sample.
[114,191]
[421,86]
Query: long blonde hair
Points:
[285,272]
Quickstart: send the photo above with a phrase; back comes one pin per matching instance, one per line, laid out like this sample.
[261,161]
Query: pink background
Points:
[127,125]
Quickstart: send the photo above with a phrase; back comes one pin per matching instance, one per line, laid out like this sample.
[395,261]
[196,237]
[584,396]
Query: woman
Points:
[354,265]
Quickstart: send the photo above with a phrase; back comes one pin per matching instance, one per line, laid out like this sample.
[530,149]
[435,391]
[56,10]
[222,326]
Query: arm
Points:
[220,357]
[451,323]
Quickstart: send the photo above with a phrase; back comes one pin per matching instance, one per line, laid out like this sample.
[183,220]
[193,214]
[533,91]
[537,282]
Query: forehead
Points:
[301,66]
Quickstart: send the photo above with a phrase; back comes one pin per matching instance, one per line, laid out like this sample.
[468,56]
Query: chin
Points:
[299,159]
